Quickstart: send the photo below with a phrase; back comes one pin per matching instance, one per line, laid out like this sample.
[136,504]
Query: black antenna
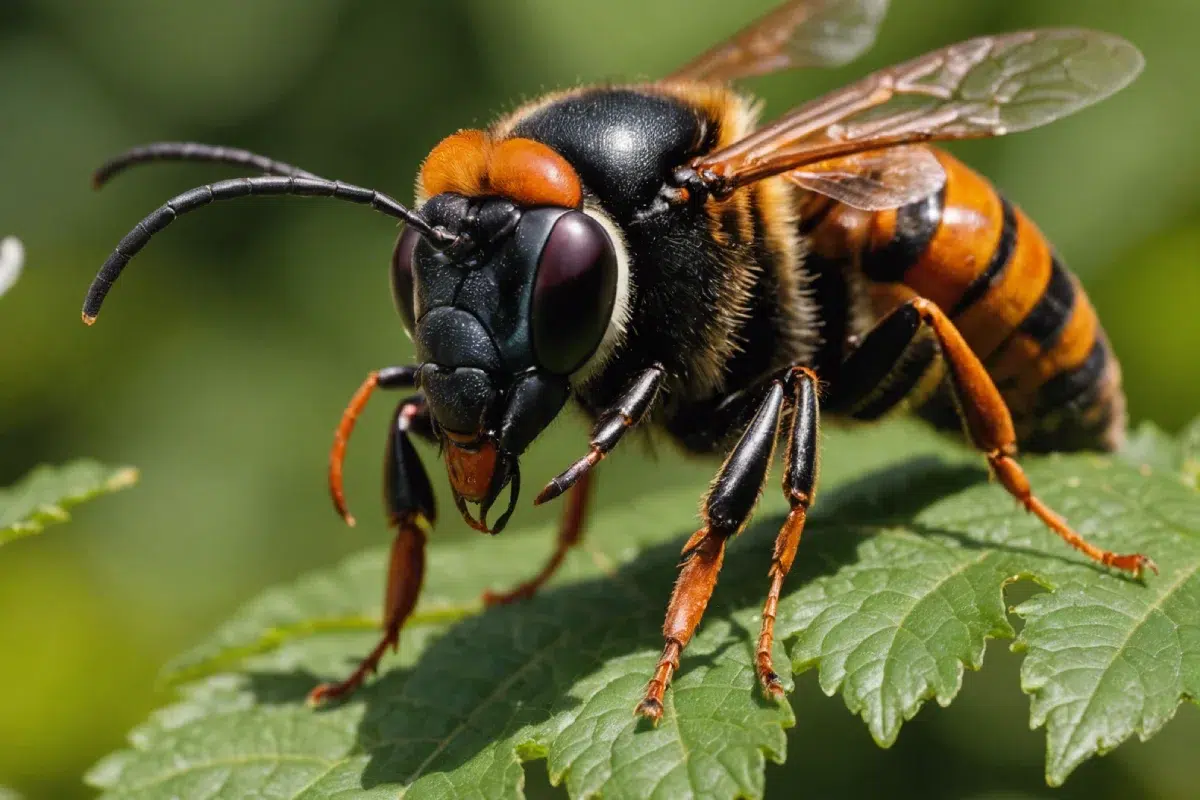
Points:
[193,151]
[305,185]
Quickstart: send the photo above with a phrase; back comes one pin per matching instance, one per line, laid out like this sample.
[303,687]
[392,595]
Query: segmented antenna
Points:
[287,180]
[193,151]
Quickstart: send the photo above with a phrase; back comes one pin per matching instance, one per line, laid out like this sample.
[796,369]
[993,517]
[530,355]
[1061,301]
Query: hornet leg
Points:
[612,425]
[726,511]
[386,378]
[609,429]
[570,531]
[799,484]
[985,416]
[411,512]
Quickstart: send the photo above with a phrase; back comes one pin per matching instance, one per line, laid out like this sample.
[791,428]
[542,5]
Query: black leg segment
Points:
[738,484]
[985,416]
[726,511]
[409,499]
[612,425]
[404,377]
[799,486]
[878,354]
[406,485]
[800,480]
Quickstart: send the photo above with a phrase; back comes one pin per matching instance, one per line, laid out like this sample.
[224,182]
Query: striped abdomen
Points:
[987,265]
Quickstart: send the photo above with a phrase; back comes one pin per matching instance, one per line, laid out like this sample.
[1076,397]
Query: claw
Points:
[1135,563]
[650,709]
[772,686]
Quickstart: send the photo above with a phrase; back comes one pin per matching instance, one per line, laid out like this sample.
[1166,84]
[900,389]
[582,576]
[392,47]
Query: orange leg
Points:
[702,558]
[781,561]
[726,511]
[570,531]
[386,378]
[406,570]
[990,428]
[799,486]
[341,436]
[411,511]
[610,428]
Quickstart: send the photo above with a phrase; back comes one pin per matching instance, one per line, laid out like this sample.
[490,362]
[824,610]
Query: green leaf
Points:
[897,628]
[43,496]
[1190,454]
[462,705]
[1152,448]
[898,585]
[1106,658]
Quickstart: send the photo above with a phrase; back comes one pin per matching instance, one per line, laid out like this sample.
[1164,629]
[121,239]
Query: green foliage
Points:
[43,496]
[1102,662]
[231,346]
[898,585]
[1189,455]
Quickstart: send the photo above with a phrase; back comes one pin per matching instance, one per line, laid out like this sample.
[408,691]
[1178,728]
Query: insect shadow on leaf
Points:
[514,675]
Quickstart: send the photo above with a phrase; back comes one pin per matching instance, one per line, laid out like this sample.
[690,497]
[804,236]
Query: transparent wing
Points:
[982,87]
[876,179]
[801,33]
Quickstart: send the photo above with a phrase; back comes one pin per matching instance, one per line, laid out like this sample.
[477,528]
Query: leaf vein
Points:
[1167,593]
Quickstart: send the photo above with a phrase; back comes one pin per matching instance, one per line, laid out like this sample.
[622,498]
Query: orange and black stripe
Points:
[986,264]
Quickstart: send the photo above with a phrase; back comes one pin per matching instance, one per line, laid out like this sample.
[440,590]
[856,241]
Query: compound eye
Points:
[403,285]
[574,293]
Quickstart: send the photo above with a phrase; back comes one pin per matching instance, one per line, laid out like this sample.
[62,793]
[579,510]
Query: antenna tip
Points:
[547,494]
[88,319]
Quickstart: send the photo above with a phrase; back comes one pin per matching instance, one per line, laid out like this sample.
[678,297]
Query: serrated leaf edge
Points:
[47,514]
[527,749]
[1059,768]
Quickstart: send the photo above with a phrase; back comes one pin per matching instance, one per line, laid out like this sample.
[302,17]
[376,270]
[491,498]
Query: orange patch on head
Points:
[471,471]
[527,172]
[458,164]
[532,174]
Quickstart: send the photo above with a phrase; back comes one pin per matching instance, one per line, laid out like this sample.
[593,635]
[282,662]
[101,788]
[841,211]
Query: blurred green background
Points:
[224,359]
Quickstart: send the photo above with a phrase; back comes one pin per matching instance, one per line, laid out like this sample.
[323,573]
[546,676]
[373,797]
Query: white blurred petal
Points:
[12,258]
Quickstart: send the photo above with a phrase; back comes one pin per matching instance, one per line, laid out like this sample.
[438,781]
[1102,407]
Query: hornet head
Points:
[525,300]
[509,286]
